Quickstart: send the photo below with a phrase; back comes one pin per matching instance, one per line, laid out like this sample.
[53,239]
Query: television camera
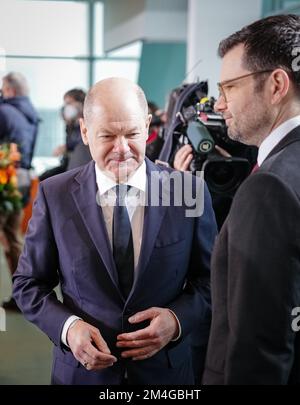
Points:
[196,123]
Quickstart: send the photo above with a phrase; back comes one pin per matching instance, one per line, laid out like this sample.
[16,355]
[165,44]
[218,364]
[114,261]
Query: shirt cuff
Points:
[179,326]
[66,326]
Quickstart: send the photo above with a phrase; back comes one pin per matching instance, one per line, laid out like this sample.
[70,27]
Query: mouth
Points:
[120,160]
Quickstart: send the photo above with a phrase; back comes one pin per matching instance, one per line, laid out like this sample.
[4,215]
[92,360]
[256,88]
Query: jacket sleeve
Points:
[263,282]
[193,306]
[37,275]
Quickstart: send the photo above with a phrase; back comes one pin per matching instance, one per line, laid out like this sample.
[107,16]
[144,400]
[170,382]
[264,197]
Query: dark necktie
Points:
[122,241]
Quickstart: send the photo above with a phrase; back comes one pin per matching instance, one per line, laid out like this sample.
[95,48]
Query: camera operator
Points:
[199,142]
[184,157]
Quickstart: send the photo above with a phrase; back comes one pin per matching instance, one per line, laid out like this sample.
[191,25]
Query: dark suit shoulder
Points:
[261,200]
[285,165]
[64,179]
[270,183]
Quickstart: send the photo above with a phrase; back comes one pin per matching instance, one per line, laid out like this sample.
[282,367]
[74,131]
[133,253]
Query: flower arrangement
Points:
[10,197]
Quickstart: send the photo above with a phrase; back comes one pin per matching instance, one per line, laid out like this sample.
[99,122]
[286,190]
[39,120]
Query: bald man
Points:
[134,272]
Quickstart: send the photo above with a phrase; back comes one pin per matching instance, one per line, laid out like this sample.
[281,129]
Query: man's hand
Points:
[89,347]
[144,343]
[183,158]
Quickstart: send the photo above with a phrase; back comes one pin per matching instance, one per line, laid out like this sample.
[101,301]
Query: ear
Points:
[280,85]
[148,121]
[84,131]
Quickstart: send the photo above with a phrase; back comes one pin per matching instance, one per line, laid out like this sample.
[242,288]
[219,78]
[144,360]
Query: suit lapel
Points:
[84,193]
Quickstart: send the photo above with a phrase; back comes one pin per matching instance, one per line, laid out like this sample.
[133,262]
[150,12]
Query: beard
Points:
[251,126]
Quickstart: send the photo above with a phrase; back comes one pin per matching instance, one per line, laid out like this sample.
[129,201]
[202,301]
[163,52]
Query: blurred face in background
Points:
[7,90]
[72,110]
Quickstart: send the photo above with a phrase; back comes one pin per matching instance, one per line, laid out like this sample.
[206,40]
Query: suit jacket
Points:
[256,277]
[67,241]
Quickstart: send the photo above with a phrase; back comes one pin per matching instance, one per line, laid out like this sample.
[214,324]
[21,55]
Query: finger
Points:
[143,315]
[136,353]
[141,334]
[183,153]
[85,359]
[99,341]
[135,343]
[186,149]
[95,366]
[187,162]
[180,151]
[97,355]
[91,348]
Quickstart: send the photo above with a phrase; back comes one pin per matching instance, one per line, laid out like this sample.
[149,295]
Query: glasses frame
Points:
[225,82]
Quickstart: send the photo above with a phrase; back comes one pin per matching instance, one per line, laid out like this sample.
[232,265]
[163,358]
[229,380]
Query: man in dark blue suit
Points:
[133,266]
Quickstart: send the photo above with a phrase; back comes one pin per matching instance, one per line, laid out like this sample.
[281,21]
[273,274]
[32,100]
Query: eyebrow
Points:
[125,129]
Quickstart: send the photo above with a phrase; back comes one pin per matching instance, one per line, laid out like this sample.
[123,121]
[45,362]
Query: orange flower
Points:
[11,171]
[3,176]
[10,197]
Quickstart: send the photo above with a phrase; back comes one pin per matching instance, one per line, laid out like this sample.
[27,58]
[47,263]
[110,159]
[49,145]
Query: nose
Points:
[220,104]
[121,145]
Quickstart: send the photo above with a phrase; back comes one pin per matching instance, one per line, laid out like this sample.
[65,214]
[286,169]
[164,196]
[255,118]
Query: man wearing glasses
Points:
[256,260]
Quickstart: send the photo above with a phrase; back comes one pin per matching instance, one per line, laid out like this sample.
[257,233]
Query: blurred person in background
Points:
[18,124]
[155,140]
[73,153]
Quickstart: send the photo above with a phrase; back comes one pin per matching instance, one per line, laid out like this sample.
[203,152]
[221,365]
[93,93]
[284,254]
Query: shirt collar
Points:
[275,137]
[136,180]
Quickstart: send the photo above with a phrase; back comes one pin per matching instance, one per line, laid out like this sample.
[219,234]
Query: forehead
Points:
[120,125]
[117,112]
[232,63]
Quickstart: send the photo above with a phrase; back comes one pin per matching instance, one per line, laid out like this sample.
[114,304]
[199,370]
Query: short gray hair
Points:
[18,82]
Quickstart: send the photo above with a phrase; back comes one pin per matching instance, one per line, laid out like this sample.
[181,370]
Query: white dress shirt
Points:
[134,201]
[275,137]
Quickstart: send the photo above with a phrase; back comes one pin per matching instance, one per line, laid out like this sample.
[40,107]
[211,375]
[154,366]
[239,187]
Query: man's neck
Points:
[282,116]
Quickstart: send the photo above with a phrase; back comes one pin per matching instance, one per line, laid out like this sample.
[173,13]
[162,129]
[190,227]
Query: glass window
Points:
[109,68]
[52,28]
[49,79]
[41,39]
[98,29]
[129,51]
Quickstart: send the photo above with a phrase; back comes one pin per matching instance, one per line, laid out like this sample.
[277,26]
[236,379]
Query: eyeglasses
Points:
[222,85]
